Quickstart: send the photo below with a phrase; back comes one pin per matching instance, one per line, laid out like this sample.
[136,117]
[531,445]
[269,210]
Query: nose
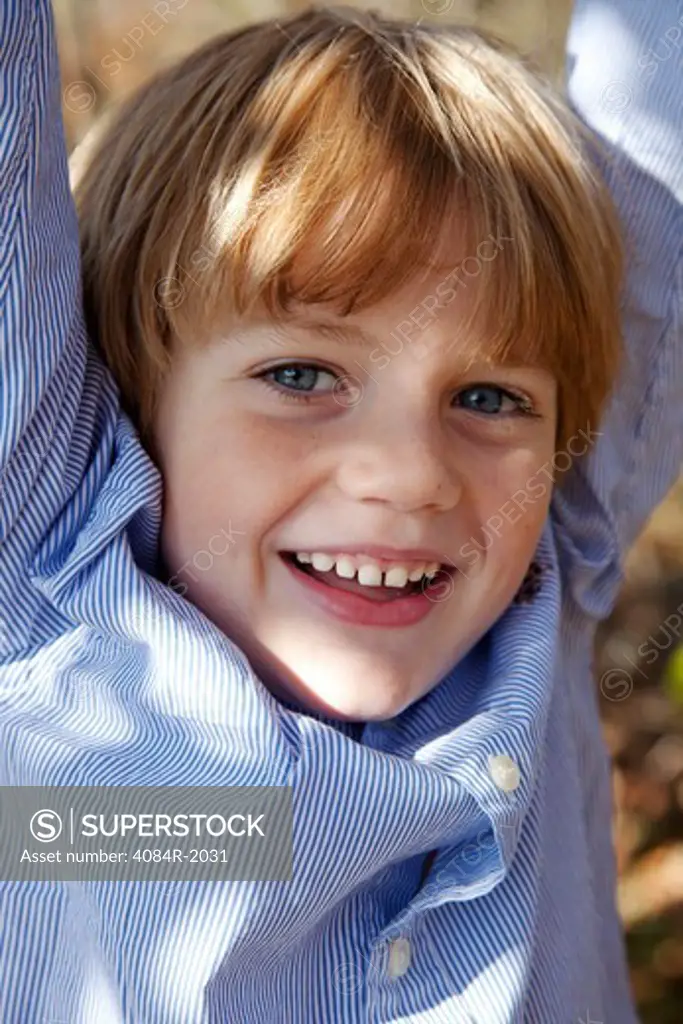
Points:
[405,466]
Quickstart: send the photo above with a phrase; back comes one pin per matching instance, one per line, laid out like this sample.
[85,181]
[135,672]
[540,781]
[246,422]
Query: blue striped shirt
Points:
[108,676]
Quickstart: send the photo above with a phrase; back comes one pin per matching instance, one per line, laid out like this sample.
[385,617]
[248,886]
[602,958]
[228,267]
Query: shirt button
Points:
[504,772]
[399,958]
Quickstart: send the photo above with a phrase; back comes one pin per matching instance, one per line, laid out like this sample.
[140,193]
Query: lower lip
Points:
[361,611]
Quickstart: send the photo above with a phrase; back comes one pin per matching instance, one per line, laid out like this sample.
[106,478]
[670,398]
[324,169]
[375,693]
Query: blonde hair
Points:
[314,159]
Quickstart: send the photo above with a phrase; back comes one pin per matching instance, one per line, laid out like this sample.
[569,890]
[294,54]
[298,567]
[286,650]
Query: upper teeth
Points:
[367,571]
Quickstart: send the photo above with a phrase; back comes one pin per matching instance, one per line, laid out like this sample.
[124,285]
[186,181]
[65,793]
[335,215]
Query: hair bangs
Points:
[330,158]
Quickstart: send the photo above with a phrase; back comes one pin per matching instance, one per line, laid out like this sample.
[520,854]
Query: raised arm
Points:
[625,80]
[51,389]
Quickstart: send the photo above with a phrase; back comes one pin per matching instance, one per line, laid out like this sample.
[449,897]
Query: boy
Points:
[380,604]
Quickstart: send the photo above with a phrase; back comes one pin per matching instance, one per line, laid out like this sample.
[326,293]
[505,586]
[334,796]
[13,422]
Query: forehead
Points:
[431,310]
[420,329]
[453,294]
[462,295]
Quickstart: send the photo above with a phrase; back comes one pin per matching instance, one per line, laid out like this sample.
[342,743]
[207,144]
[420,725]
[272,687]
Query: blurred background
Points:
[106,51]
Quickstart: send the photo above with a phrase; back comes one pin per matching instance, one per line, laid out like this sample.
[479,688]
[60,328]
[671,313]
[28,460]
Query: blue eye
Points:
[296,376]
[299,381]
[492,400]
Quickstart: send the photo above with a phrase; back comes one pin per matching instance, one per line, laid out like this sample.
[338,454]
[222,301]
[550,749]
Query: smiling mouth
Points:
[380,594]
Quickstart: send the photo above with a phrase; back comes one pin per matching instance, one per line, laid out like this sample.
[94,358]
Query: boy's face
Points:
[402,456]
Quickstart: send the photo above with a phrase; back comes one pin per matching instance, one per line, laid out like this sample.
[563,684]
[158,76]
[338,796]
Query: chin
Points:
[359,693]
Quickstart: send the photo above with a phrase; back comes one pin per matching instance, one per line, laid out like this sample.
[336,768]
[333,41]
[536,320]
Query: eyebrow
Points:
[345,332]
[333,330]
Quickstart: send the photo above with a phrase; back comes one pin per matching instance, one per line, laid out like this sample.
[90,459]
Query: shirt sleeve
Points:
[625,81]
[55,431]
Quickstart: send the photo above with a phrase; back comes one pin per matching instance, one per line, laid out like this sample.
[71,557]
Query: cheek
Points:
[228,467]
[519,478]
[512,499]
